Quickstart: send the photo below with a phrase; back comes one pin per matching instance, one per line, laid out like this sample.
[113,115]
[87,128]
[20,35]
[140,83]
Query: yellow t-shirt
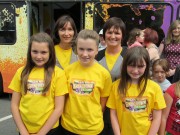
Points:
[133,114]
[111,59]
[83,112]
[34,107]
[63,56]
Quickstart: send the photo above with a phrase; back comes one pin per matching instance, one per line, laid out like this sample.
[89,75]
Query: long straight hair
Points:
[134,56]
[169,39]
[49,66]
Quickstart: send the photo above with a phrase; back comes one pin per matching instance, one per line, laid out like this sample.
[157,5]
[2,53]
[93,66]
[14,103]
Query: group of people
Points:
[68,87]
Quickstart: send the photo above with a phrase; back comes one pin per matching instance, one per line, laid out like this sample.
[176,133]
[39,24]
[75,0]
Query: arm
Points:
[114,122]
[155,122]
[103,101]
[54,117]
[161,48]
[16,96]
[165,113]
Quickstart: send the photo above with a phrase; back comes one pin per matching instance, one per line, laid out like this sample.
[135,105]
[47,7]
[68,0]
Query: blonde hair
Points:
[169,37]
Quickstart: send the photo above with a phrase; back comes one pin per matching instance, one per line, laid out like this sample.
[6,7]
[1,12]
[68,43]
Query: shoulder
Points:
[101,69]
[72,66]
[171,90]
[152,84]
[100,55]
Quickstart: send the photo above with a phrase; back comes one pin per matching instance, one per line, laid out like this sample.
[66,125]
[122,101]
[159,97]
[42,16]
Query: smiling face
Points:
[136,71]
[176,31]
[87,50]
[66,33]
[40,53]
[113,37]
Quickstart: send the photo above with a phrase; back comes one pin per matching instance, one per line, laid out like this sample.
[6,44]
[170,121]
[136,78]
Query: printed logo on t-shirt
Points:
[82,87]
[133,104]
[35,86]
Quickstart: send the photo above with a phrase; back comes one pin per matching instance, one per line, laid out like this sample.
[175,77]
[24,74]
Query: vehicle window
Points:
[7,24]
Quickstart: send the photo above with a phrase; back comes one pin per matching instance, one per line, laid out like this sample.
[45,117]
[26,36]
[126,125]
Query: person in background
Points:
[170,123]
[39,89]
[159,69]
[89,86]
[136,38]
[102,44]
[134,97]
[64,37]
[111,58]
[170,47]
[177,74]
[150,40]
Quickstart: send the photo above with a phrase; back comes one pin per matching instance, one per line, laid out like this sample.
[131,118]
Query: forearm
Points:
[54,117]
[18,120]
[155,122]
[114,122]
[103,101]
[162,128]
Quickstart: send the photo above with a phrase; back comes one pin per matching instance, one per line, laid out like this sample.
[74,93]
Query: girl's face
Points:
[113,37]
[176,31]
[136,71]
[87,50]
[140,38]
[40,53]
[159,74]
[66,33]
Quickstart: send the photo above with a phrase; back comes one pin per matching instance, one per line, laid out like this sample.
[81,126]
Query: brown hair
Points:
[169,39]
[150,35]
[60,24]
[49,66]
[134,56]
[133,34]
[115,22]
[177,88]
[163,63]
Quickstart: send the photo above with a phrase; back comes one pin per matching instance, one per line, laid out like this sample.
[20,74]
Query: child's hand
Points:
[150,117]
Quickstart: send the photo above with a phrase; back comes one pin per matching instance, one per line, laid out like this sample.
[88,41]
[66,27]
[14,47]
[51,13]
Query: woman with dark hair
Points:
[64,36]
[111,57]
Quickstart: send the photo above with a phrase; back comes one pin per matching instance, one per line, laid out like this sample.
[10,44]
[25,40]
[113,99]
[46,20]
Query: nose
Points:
[38,55]
[85,53]
[113,35]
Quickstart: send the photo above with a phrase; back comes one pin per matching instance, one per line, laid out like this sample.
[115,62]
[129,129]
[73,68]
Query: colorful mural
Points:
[13,56]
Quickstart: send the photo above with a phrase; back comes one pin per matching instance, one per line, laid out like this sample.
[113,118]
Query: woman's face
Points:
[113,37]
[176,31]
[66,33]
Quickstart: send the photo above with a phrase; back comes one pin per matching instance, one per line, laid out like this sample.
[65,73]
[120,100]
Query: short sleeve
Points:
[60,83]
[112,97]
[170,90]
[15,84]
[107,85]
[159,99]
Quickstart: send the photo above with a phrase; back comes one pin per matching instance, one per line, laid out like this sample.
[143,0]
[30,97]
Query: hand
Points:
[150,117]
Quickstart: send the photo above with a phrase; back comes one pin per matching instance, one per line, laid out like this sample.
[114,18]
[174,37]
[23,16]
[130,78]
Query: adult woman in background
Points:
[150,40]
[65,33]
[170,47]
[111,57]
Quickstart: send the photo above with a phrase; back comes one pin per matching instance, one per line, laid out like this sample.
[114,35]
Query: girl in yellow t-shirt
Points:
[38,89]
[134,97]
[89,85]
[64,35]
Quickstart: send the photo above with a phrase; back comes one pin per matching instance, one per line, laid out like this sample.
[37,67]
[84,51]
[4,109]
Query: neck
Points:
[65,46]
[113,50]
